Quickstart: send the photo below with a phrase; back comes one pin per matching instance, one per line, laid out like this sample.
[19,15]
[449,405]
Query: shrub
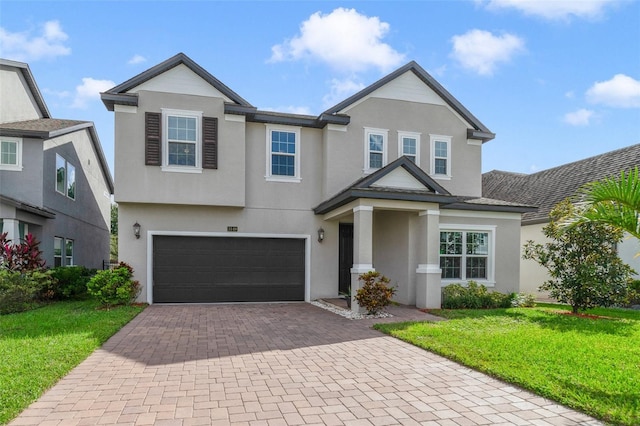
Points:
[473,296]
[521,300]
[634,292]
[71,281]
[584,268]
[375,294]
[114,286]
[21,291]
[25,256]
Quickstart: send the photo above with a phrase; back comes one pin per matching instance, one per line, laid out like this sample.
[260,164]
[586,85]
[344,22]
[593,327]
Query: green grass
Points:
[592,365]
[39,347]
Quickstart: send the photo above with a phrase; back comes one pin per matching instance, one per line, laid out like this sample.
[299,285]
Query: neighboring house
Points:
[238,204]
[547,188]
[54,179]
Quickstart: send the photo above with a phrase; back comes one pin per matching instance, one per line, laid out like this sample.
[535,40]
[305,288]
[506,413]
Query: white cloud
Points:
[481,51]
[554,9]
[344,39]
[90,90]
[570,94]
[581,117]
[137,59]
[340,90]
[621,91]
[24,46]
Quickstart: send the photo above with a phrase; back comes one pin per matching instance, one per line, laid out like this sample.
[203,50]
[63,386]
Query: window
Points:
[182,144]
[57,251]
[466,254]
[10,153]
[65,177]
[409,146]
[375,149]
[60,257]
[283,154]
[68,251]
[441,156]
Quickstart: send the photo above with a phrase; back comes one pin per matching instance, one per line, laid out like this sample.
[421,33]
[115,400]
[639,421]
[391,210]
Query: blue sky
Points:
[557,81]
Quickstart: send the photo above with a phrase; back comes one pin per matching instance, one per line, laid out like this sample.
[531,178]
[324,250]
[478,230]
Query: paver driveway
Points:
[277,364]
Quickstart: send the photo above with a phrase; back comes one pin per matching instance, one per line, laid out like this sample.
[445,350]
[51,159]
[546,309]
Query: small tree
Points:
[375,294]
[25,256]
[582,261]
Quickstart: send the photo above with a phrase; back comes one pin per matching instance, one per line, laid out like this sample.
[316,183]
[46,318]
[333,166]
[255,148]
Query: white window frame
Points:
[491,256]
[296,178]
[447,140]
[61,256]
[385,136]
[18,165]
[409,135]
[166,167]
[68,262]
[66,178]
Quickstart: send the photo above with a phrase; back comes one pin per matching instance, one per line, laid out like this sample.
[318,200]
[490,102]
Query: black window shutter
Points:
[209,143]
[153,142]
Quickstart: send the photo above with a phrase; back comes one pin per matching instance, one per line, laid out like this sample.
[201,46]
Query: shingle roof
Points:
[42,125]
[548,187]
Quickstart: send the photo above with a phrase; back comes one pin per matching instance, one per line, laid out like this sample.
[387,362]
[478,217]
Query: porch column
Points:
[12,228]
[428,273]
[362,248]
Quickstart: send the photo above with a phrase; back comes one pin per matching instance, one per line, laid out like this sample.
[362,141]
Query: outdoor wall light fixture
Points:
[136,230]
[320,235]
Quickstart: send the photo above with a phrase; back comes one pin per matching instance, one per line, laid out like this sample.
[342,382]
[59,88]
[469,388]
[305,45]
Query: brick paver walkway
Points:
[278,364]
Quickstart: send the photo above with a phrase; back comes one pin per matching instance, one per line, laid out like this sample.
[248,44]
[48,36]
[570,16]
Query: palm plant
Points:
[614,201]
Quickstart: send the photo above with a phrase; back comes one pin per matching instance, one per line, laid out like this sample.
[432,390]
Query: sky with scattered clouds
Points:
[557,81]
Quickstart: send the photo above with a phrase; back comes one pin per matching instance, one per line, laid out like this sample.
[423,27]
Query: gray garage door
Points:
[226,269]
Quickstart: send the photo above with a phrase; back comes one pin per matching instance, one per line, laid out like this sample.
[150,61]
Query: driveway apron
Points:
[278,364]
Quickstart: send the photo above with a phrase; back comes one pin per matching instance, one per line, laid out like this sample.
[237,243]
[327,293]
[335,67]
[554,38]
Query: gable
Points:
[16,100]
[399,178]
[181,80]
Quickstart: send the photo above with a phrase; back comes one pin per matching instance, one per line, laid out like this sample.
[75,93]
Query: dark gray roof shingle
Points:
[548,187]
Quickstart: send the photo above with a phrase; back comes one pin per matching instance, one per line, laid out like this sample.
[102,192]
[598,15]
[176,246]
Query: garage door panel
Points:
[226,269]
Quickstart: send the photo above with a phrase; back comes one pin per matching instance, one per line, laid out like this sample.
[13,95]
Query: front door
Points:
[345,256]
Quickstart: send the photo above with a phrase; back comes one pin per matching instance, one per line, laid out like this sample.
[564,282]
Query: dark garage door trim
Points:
[152,234]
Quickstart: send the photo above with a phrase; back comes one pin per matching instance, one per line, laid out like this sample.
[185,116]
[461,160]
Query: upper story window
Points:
[441,156]
[283,153]
[467,254]
[10,153]
[409,146]
[65,177]
[375,148]
[182,140]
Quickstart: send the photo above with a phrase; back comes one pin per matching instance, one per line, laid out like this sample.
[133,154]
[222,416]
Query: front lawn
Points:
[592,365]
[39,347]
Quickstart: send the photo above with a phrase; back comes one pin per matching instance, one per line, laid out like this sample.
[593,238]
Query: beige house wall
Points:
[16,102]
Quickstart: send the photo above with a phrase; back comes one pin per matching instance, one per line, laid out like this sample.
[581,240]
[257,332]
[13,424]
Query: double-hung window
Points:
[375,149]
[441,156]
[63,252]
[10,153]
[283,153]
[467,254]
[182,138]
[65,177]
[409,146]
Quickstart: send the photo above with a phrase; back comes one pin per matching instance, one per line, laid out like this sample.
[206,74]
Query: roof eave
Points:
[489,207]
[477,134]
[111,99]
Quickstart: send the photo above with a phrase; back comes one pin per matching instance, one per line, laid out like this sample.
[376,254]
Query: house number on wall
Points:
[232,229]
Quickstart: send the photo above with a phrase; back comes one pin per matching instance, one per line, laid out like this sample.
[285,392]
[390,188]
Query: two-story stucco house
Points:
[239,204]
[54,178]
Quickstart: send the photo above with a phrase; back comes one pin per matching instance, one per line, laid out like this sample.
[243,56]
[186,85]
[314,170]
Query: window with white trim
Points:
[68,252]
[10,153]
[409,146]
[65,177]
[57,251]
[181,139]
[466,254]
[440,156]
[375,148]
[283,153]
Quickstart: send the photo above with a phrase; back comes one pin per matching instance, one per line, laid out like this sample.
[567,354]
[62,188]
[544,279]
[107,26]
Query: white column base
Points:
[356,271]
[428,287]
